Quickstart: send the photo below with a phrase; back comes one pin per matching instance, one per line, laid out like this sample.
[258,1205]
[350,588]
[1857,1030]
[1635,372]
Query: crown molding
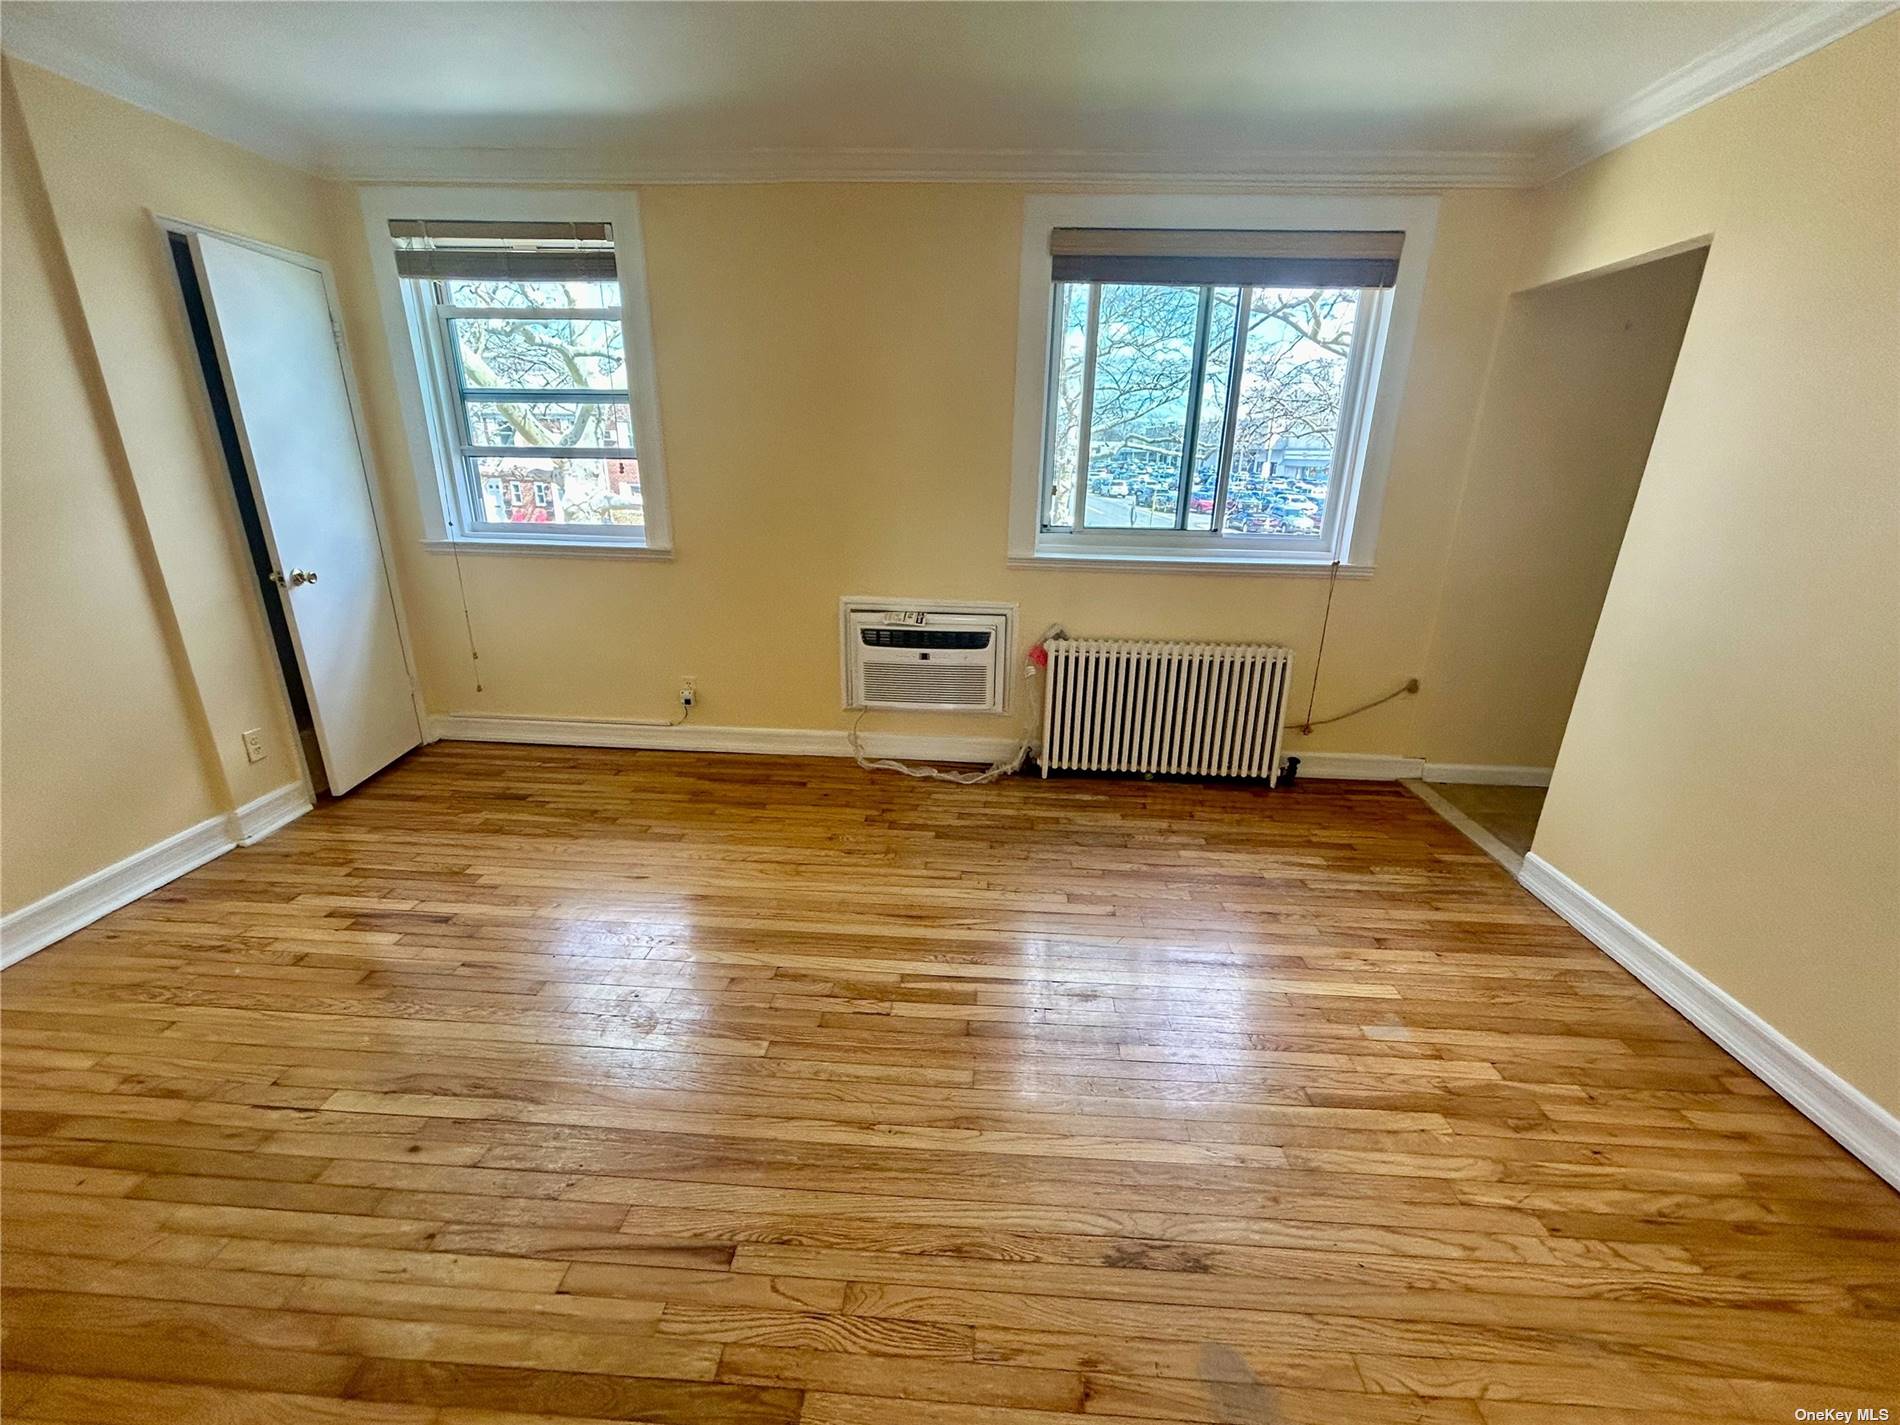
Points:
[1774,44]
[1385,170]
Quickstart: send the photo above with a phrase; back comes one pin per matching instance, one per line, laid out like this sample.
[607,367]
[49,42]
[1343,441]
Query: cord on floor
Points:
[995,772]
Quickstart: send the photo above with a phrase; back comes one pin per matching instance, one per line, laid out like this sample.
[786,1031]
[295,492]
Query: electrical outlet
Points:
[254,744]
[689,692]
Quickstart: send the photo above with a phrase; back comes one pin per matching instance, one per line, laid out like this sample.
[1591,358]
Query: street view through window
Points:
[540,376]
[1169,439]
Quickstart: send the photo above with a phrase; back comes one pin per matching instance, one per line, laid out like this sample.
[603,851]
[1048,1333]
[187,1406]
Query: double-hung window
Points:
[1206,393]
[538,411]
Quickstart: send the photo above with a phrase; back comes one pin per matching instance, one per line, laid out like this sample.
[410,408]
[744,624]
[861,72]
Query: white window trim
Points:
[1367,431]
[433,444]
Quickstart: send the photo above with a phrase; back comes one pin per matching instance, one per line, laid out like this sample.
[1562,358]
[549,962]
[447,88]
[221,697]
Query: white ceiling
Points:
[552,91]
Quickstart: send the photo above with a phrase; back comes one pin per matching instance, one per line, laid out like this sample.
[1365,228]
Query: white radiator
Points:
[1188,709]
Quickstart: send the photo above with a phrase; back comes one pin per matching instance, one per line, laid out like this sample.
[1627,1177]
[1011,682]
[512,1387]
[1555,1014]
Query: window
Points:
[533,412]
[1205,394]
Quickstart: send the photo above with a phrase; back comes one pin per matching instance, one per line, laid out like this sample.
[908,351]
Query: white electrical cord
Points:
[995,772]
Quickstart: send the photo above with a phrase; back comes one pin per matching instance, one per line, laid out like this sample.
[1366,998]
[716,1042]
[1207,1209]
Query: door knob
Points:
[301,576]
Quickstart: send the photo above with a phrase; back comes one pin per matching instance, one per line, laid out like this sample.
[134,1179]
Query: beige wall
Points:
[100,752]
[836,377]
[108,169]
[135,649]
[1577,383]
[1730,781]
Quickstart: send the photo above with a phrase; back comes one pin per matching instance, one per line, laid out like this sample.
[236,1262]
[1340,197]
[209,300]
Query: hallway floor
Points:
[1507,813]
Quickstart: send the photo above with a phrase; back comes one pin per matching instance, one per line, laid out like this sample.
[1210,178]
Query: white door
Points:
[283,369]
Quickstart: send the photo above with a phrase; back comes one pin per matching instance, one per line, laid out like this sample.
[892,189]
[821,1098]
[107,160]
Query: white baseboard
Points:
[1842,1111]
[924,747]
[1378,767]
[54,917]
[691,737]
[255,820]
[1489,774]
[916,747]
[1355,766]
[36,926]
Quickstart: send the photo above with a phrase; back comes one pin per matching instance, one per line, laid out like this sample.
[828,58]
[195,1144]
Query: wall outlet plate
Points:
[254,743]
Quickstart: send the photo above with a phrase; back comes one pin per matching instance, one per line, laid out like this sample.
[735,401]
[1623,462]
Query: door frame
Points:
[165,228]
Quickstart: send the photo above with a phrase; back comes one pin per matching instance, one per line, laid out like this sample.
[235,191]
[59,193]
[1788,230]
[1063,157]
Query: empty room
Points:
[949,713]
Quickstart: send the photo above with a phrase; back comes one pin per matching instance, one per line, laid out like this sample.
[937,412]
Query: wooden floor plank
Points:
[532,1085]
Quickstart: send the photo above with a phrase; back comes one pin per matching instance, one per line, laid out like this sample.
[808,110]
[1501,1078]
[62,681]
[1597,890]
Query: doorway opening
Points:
[1576,391]
[198,322]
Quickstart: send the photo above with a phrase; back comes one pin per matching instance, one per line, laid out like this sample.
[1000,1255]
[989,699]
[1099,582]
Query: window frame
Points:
[1382,342]
[1369,315]
[417,332]
[437,318]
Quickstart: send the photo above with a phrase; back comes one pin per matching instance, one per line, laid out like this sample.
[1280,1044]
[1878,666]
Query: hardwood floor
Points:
[534,1085]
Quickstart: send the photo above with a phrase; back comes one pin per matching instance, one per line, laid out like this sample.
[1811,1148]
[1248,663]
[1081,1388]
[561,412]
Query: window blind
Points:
[1196,256]
[490,251]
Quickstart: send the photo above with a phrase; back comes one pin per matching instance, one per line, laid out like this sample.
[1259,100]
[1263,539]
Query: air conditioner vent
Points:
[963,685]
[925,638]
[949,657]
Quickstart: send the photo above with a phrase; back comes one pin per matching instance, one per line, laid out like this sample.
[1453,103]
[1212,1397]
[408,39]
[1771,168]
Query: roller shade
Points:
[487,252]
[1240,259]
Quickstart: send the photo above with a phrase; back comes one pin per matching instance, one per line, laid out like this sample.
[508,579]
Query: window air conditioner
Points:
[909,655]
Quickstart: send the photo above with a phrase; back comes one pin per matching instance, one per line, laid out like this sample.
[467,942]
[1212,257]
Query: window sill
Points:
[594,548]
[1167,563]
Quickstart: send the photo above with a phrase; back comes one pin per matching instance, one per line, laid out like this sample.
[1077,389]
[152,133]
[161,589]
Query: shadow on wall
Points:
[1576,390]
